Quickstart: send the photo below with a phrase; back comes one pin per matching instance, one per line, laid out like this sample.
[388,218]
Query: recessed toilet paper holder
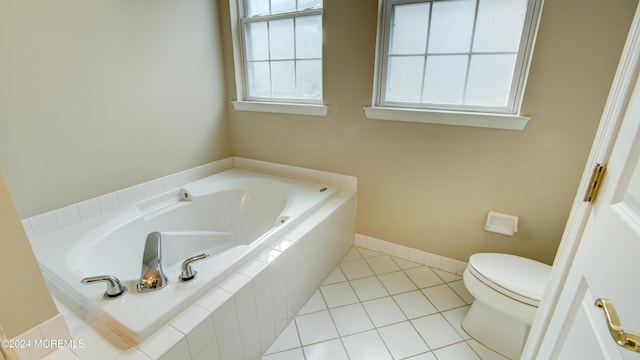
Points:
[504,224]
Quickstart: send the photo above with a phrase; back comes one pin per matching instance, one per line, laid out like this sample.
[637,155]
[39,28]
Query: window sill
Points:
[281,108]
[484,120]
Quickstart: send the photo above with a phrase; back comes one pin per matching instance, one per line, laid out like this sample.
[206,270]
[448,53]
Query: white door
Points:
[607,261]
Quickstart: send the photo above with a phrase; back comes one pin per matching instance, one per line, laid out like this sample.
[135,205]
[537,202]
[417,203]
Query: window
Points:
[454,55]
[281,52]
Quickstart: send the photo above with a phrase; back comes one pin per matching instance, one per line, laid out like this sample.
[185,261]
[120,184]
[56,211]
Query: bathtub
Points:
[232,216]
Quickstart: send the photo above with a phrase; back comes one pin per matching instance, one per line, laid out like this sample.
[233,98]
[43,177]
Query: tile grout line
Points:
[365,311]
[295,324]
[333,321]
[340,337]
[439,312]
[395,302]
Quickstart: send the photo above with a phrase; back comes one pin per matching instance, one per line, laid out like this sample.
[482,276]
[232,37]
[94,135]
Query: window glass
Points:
[309,4]
[283,77]
[499,25]
[409,31]
[405,78]
[257,7]
[451,26]
[490,79]
[445,77]
[266,7]
[257,41]
[283,50]
[453,54]
[309,37]
[259,78]
[282,6]
[309,76]
[281,39]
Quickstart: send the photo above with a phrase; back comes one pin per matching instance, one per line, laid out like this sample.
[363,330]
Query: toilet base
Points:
[495,330]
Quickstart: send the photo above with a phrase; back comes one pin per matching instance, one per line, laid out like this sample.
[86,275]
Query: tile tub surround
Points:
[243,315]
[340,228]
[59,218]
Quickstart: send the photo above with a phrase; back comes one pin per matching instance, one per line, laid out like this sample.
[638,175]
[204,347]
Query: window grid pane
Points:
[463,62]
[309,4]
[489,79]
[281,35]
[259,78]
[282,6]
[257,40]
[409,29]
[283,55]
[499,26]
[451,26]
[283,79]
[309,37]
[404,83]
[309,79]
[275,7]
[445,79]
[258,7]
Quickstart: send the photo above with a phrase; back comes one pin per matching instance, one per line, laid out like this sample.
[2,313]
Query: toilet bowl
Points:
[507,291]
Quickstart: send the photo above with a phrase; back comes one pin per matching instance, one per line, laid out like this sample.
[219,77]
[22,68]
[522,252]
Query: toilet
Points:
[507,291]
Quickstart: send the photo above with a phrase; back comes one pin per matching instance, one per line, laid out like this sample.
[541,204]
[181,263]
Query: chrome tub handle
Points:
[187,274]
[115,289]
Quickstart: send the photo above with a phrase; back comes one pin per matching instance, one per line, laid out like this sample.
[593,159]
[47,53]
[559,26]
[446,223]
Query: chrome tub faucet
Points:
[152,277]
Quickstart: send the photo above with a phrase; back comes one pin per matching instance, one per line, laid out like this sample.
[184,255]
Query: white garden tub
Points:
[230,215]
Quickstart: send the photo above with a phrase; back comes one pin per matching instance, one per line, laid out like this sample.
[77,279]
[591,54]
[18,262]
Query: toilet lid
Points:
[516,274]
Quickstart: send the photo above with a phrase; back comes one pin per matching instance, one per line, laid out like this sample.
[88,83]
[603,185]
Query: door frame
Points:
[614,110]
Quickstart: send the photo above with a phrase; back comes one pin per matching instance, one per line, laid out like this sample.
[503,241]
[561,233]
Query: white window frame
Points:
[501,118]
[312,107]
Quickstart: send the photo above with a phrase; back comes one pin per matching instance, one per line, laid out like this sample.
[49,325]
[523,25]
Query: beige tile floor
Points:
[375,306]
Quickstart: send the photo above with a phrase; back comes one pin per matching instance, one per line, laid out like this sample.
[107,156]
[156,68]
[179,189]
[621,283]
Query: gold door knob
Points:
[628,340]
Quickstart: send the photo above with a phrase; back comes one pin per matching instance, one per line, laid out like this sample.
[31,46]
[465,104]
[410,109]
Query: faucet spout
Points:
[152,277]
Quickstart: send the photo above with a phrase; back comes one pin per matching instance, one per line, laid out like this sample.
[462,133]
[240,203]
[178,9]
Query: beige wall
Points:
[24,301]
[96,96]
[430,186]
